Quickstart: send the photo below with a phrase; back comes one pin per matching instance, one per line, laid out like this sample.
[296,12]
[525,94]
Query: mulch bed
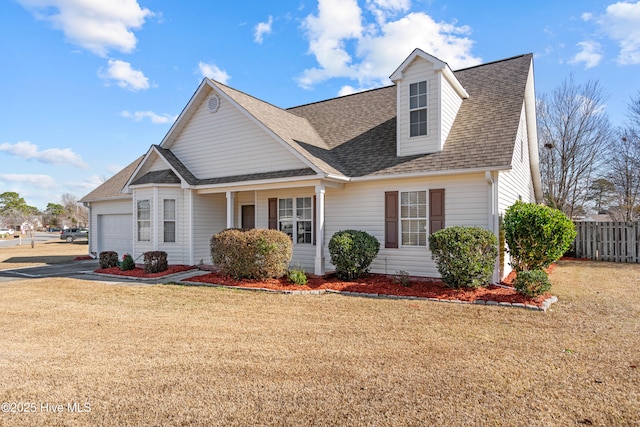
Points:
[139,272]
[382,284]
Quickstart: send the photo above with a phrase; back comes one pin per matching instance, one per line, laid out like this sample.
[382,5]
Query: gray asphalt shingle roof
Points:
[355,135]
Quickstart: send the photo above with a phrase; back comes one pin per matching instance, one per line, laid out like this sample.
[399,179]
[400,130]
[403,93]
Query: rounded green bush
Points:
[537,235]
[532,282]
[256,254]
[465,255]
[352,252]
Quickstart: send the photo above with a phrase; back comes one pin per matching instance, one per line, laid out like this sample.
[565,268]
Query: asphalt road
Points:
[37,237]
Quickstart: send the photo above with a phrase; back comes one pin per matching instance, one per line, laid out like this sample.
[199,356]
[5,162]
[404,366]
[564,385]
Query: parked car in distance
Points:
[71,234]
[6,231]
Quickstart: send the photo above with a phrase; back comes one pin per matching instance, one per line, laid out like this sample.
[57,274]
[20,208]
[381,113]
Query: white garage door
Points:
[115,233]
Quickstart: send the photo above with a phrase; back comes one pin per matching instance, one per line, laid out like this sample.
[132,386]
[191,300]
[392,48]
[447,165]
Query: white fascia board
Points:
[532,134]
[454,82]
[432,174]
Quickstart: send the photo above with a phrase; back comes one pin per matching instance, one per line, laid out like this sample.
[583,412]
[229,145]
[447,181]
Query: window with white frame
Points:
[418,109]
[144,220]
[413,218]
[169,217]
[295,218]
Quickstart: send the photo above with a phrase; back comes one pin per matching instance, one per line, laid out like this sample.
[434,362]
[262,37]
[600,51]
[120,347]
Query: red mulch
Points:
[139,272]
[82,258]
[382,284]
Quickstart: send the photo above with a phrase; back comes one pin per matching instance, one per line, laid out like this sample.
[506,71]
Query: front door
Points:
[248,217]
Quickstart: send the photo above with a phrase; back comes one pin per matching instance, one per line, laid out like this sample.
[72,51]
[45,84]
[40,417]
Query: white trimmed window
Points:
[413,218]
[418,109]
[295,218]
[144,220]
[169,216]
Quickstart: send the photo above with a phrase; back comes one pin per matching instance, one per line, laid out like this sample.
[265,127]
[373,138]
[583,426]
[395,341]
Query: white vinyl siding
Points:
[517,183]
[360,206]
[229,143]
[450,103]
[210,217]
[419,71]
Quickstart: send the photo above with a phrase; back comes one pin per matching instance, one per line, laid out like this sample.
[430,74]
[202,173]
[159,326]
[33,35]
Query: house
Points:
[437,148]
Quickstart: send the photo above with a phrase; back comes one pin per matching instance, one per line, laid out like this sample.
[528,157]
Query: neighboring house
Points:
[438,148]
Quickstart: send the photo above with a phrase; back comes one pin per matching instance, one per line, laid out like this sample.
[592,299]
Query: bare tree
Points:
[75,212]
[574,131]
[624,166]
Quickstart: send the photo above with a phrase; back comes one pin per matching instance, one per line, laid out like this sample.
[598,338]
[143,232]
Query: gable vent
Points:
[213,103]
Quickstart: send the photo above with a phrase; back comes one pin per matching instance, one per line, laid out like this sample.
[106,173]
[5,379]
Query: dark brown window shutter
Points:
[391,219]
[273,213]
[436,210]
[314,229]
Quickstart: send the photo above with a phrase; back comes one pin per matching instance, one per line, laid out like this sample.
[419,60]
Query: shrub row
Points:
[154,261]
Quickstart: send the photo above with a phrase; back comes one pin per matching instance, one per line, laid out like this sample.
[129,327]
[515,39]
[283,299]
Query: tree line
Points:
[14,211]
[587,164]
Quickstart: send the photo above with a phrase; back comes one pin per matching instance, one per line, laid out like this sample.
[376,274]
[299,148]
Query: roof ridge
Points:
[494,62]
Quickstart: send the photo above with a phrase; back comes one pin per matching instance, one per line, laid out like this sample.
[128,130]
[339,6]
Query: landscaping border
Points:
[544,306]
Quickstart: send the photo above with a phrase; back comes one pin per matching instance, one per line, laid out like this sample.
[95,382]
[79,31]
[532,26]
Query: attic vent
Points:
[213,103]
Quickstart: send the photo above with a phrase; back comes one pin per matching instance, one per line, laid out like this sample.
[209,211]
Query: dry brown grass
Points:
[173,355]
[51,252]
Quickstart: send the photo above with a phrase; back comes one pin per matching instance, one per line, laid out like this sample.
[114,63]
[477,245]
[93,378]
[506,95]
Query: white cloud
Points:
[262,29]
[587,16]
[55,156]
[44,182]
[213,72]
[125,76]
[96,25]
[590,54]
[621,22]
[345,45]
[138,116]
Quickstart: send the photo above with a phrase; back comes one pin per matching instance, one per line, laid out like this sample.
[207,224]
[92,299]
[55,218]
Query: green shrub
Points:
[155,261]
[108,259]
[532,282]
[465,255]
[352,252]
[297,275]
[537,235]
[127,263]
[254,254]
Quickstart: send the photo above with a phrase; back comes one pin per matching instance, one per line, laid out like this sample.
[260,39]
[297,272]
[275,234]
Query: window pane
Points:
[287,228]
[303,208]
[144,231]
[169,209]
[413,210]
[169,231]
[144,209]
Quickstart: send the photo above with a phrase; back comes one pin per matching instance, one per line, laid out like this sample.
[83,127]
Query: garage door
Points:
[115,233]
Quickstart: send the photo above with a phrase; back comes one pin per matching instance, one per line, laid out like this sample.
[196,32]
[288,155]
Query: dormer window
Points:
[418,109]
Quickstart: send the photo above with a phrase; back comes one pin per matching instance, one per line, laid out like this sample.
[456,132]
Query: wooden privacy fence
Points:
[608,241]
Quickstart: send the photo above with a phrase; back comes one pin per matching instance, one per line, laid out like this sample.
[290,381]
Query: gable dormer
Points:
[428,99]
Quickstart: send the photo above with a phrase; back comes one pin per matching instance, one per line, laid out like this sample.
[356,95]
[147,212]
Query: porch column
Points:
[319,260]
[230,204]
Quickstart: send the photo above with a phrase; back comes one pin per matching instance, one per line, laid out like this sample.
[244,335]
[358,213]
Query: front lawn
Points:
[176,355]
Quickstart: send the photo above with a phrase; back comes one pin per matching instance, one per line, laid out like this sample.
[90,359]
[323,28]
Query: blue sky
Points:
[88,85]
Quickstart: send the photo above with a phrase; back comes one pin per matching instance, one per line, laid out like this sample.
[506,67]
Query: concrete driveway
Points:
[83,270]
